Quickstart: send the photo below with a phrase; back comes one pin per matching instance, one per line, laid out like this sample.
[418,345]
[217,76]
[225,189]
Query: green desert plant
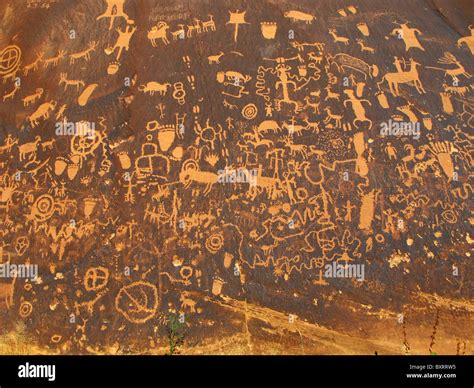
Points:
[176,333]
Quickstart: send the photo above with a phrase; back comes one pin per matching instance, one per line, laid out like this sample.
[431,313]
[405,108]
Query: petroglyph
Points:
[226,161]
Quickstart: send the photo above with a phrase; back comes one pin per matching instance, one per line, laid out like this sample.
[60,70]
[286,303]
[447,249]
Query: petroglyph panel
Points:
[279,177]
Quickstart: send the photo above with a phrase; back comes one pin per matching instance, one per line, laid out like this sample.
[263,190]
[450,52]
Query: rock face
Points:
[269,176]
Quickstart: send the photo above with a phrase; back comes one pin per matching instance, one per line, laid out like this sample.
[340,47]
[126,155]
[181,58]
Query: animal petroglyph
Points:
[271,171]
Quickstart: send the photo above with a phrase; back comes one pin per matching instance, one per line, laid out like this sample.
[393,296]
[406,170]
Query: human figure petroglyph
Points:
[391,151]
[9,142]
[115,9]
[284,82]
[357,107]
[409,36]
